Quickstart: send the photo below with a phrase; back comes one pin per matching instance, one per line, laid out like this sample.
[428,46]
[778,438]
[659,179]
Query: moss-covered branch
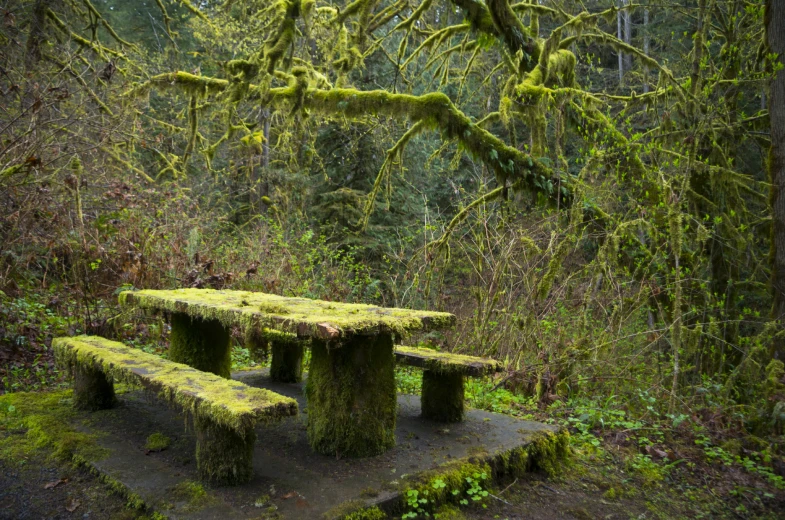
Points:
[435,110]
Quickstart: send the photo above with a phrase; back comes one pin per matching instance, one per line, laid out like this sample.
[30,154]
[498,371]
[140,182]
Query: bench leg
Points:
[201,344]
[442,396]
[351,396]
[287,362]
[92,389]
[223,456]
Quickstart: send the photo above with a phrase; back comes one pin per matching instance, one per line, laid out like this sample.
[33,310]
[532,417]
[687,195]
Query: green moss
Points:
[45,418]
[287,362]
[369,513]
[546,451]
[201,343]
[445,484]
[354,510]
[230,403]
[445,362]
[442,396]
[304,317]
[351,396]
[449,512]
[193,493]
[157,442]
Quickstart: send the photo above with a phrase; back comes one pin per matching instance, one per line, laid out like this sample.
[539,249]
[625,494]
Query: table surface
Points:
[302,316]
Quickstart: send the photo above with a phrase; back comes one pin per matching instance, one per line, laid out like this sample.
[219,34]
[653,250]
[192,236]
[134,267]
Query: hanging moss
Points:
[351,396]
[208,396]
[201,343]
[224,455]
[287,362]
[93,390]
[442,396]
[302,316]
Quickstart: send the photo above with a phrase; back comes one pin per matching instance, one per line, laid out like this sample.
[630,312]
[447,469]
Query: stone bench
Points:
[224,411]
[443,379]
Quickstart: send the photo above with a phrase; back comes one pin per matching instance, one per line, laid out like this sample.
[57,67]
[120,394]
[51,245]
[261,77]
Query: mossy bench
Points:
[351,390]
[443,379]
[224,411]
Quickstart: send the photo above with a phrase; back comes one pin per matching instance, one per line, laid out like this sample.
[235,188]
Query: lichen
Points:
[351,397]
[304,317]
[201,343]
[201,394]
[442,396]
[445,362]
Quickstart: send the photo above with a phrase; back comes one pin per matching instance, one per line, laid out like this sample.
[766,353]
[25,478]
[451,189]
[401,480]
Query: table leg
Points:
[442,396]
[351,396]
[287,363]
[201,344]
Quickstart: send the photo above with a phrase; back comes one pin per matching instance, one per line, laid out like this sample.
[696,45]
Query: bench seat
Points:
[443,379]
[224,411]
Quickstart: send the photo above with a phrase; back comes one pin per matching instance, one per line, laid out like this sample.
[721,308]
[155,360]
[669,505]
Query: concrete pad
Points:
[290,479]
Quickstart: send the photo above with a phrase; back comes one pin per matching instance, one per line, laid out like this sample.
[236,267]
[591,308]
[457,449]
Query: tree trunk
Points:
[264,186]
[775,35]
[627,33]
[645,49]
[620,36]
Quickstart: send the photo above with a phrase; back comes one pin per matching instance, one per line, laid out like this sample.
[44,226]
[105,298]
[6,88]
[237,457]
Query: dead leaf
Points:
[656,453]
[72,505]
[290,494]
[55,483]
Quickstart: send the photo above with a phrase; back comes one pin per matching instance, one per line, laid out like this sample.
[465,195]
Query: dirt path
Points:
[39,489]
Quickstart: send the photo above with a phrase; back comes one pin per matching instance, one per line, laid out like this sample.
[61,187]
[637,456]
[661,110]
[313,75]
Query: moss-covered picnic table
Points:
[350,392]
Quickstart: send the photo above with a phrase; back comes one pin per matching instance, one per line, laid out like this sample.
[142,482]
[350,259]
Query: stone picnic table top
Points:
[305,317]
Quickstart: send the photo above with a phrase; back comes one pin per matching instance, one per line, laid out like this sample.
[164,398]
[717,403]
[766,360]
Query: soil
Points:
[39,489]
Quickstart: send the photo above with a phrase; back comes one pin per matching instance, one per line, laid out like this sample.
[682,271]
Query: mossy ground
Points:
[351,396]
[157,442]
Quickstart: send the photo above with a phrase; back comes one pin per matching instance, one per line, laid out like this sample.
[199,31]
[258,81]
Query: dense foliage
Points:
[585,184]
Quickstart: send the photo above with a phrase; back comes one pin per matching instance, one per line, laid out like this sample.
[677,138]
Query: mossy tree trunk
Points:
[287,362]
[201,344]
[223,455]
[442,396]
[93,390]
[351,396]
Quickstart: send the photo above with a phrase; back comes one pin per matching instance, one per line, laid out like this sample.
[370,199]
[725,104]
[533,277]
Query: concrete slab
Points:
[290,480]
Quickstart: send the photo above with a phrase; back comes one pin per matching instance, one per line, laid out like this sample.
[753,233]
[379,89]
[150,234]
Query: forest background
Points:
[590,186]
